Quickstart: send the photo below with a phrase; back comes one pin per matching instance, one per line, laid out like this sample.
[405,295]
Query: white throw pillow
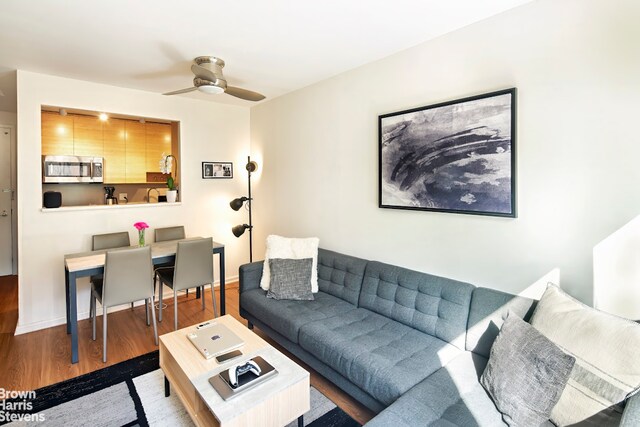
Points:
[606,348]
[284,247]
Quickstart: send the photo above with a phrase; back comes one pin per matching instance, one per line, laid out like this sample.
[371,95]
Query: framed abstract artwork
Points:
[456,156]
[213,170]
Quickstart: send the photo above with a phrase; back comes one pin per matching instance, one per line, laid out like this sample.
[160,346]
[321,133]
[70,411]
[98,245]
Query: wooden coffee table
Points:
[276,402]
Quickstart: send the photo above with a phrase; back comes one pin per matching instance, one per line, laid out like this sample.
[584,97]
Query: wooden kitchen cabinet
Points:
[158,142]
[115,152]
[136,152]
[88,137]
[57,134]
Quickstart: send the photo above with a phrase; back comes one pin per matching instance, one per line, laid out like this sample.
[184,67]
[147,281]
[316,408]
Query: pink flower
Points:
[140,225]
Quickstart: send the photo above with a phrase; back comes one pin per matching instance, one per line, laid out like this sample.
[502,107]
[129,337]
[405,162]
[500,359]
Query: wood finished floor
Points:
[41,358]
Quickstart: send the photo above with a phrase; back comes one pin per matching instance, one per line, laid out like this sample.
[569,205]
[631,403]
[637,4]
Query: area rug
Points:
[130,393]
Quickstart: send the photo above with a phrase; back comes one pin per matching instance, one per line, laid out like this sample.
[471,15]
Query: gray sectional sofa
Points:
[408,345]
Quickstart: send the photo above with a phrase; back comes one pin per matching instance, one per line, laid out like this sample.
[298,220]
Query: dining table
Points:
[85,264]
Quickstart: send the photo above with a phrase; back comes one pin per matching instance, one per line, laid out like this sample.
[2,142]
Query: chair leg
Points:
[175,309]
[155,326]
[93,316]
[215,304]
[132,305]
[202,292]
[104,334]
[160,286]
[146,310]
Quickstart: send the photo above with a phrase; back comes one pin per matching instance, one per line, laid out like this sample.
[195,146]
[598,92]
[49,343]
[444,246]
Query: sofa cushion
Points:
[290,279]
[287,316]
[606,348]
[452,396]
[488,310]
[434,305]
[340,275]
[526,373]
[381,356]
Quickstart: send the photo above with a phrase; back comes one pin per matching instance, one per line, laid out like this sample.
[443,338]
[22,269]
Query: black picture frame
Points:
[217,170]
[456,156]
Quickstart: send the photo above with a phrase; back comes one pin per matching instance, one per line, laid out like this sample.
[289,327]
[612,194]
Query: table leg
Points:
[66,295]
[198,292]
[222,298]
[301,421]
[167,387]
[73,317]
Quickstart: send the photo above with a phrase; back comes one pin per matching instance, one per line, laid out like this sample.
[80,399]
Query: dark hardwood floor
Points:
[41,358]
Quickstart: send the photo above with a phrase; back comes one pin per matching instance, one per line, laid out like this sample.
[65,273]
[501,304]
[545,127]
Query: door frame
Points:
[14,197]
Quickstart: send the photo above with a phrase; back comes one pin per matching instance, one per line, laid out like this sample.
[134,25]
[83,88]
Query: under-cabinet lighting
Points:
[103,117]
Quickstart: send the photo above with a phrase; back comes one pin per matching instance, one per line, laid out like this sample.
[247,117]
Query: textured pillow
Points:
[290,279]
[526,373]
[283,247]
[606,349]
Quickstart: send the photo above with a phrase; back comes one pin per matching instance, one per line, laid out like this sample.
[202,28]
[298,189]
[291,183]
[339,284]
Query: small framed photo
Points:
[217,170]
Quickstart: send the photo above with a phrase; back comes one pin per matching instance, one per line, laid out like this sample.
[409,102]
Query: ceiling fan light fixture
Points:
[211,89]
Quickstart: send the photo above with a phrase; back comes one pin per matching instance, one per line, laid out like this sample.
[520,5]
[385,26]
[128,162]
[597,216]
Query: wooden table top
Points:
[95,259]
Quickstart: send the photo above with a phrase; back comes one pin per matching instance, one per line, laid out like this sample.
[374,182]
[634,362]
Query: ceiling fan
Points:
[209,79]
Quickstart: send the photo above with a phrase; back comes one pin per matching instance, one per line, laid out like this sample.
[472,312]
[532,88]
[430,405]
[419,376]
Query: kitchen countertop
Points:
[119,206]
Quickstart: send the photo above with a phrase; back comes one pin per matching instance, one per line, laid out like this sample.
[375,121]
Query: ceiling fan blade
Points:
[203,73]
[244,94]
[176,92]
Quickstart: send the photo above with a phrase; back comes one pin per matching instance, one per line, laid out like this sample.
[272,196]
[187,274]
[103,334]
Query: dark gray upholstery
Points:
[287,316]
[488,310]
[631,414]
[434,305]
[452,396]
[340,275]
[250,276]
[381,356]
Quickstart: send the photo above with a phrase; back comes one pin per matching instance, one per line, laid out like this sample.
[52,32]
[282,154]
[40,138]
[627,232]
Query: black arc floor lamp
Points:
[237,203]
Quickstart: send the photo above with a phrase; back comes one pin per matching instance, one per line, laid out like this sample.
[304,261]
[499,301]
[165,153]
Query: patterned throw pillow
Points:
[606,349]
[526,373]
[290,279]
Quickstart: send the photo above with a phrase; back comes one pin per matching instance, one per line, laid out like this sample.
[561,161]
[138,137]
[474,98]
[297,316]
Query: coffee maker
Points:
[109,198]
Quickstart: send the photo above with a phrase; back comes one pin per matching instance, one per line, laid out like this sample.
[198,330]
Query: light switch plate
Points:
[122,197]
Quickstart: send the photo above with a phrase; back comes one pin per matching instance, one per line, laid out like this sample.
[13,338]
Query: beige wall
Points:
[576,66]
[209,131]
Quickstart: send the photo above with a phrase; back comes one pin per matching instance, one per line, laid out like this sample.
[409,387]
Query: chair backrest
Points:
[169,233]
[128,276]
[110,241]
[194,263]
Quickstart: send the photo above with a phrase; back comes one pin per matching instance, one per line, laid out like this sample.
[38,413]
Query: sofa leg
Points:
[249,325]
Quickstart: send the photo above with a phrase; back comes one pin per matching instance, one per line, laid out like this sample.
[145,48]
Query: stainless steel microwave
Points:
[72,169]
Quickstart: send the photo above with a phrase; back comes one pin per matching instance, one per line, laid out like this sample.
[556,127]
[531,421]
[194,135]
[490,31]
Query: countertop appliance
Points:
[109,198]
[72,169]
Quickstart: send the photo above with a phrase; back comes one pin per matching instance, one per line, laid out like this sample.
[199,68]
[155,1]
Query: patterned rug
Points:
[130,393]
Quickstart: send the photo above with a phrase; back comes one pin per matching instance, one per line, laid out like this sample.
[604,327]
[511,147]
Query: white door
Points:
[5,202]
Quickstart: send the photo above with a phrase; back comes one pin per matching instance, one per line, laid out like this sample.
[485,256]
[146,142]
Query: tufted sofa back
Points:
[340,275]
[434,305]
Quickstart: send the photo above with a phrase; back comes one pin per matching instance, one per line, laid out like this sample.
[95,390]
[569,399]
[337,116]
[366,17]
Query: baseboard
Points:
[44,324]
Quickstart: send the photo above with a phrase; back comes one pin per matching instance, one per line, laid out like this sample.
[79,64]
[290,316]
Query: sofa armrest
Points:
[631,414]
[250,276]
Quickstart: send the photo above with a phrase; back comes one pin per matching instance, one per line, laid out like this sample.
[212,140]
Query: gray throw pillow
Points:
[526,373]
[290,279]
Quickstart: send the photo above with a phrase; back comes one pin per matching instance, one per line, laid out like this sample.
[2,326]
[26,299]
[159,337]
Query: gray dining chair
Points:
[193,268]
[108,241]
[164,234]
[128,275]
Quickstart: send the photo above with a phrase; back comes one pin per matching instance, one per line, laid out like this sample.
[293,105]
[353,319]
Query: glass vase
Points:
[141,238]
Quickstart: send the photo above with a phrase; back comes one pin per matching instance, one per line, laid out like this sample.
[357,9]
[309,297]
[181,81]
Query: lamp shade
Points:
[251,166]
[238,230]
[236,204]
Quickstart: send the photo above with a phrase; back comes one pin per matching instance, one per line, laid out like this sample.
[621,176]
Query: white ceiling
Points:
[269,46]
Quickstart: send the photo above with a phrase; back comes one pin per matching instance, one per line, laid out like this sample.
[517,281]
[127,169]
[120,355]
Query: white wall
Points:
[576,66]
[209,131]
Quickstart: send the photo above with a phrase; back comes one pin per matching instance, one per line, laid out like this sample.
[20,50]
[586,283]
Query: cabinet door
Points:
[87,136]
[57,134]
[136,152]
[158,142]
[114,152]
